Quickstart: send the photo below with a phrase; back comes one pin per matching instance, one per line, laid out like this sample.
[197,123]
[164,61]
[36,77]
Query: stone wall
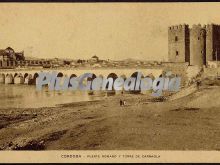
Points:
[197,45]
[178,43]
[212,42]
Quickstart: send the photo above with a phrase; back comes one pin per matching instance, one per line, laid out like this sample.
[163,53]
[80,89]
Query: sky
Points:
[109,30]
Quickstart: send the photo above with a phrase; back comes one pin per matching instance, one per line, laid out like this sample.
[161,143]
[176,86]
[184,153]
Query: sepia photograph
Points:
[109,77]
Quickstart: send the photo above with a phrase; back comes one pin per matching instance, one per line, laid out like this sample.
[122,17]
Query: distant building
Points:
[94,59]
[56,62]
[9,58]
[195,45]
[36,63]
[73,63]
[96,66]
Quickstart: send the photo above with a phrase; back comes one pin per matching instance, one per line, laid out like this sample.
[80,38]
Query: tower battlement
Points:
[196,26]
[178,27]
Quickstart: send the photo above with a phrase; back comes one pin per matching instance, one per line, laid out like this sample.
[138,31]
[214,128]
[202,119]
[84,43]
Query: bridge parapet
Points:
[78,72]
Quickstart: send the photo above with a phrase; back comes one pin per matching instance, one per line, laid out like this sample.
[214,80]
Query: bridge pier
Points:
[110,93]
[146,92]
[90,92]
[27,80]
[9,79]
[2,78]
[19,79]
[118,92]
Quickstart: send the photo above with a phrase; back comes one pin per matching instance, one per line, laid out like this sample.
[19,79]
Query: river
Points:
[26,96]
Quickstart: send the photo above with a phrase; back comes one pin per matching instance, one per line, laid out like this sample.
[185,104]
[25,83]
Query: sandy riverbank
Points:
[188,123]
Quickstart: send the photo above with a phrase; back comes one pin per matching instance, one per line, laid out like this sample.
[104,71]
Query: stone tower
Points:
[212,42]
[197,45]
[178,43]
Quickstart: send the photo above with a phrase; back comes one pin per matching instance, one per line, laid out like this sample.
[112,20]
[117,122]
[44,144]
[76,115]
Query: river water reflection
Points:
[26,96]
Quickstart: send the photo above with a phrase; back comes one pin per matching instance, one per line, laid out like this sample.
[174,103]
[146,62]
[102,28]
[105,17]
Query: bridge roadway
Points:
[28,76]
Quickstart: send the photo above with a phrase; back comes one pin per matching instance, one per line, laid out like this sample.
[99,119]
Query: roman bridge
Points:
[28,76]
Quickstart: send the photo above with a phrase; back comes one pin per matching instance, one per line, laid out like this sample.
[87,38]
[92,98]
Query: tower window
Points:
[198,38]
[177,53]
[176,38]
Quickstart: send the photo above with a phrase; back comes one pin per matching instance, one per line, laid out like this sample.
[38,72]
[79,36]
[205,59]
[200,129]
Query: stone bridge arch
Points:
[60,74]
[124,73]
[73,75]
[112,75]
